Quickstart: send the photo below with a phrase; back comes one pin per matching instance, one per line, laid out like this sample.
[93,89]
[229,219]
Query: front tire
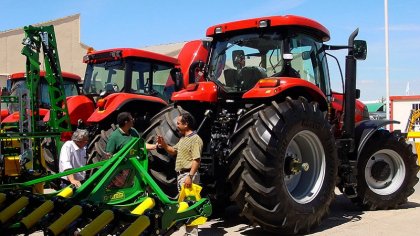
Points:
[387,172]
[270,148]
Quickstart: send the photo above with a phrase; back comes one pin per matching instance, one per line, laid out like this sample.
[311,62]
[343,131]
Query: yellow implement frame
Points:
[415,135]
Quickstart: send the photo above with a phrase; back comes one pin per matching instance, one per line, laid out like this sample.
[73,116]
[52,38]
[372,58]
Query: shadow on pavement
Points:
[342,211]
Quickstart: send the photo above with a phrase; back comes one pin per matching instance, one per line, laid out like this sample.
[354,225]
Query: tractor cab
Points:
[125,80]
[258,60]
[128,71]
[267,49]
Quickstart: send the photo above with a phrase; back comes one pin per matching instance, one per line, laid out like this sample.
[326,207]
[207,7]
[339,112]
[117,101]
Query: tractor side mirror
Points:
[178,78]
[196,68]
[357,93]
[238,58]
[360,49]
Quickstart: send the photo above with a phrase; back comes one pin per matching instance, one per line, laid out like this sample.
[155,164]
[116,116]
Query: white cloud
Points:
[367,82]
[402,27]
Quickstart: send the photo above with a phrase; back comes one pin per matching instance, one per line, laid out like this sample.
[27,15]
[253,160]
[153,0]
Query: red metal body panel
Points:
[337,105]
[204,92]
[4,113]
[288,20]
[131,52]
[66,75]
[115,100]
[404,98]
[285,83]
[79,107]
[191,52]
[14,117]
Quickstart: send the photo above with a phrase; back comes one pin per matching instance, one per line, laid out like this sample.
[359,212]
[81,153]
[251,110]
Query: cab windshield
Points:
[130,76]
[237,63]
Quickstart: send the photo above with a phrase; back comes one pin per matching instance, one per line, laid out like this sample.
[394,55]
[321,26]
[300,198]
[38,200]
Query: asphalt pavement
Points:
[345,218]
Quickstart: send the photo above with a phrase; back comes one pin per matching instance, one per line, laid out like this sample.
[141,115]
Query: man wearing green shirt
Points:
[120,137]
[123,134]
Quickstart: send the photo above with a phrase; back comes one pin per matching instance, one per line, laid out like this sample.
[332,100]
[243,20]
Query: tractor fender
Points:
[79,107]
[15,116]
[365,129]
[197,92]
[287,86]
[116,101]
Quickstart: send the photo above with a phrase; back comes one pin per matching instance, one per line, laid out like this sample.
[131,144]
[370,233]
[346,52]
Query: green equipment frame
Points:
[107,209]
[37,40]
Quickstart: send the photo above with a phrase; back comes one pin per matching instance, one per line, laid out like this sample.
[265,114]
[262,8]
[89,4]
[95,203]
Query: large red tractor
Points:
[117,80]
[277,139]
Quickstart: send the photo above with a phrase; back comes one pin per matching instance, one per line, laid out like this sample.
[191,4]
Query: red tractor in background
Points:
[277,139]
[17,81]
[118,80]
[126,79]
[78,107]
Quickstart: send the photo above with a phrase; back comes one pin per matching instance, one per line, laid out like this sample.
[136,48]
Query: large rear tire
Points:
[387,172]
[161,164]
[268,146]
[96,148]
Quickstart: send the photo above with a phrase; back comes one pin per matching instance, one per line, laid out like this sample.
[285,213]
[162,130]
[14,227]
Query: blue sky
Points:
[108,24]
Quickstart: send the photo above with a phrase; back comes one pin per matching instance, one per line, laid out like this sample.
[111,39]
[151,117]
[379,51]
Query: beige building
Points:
[70,49]
[170,49]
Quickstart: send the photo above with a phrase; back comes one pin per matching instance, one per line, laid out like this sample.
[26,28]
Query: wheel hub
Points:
[381,171]
[304,166]
[385,171]
[294,166]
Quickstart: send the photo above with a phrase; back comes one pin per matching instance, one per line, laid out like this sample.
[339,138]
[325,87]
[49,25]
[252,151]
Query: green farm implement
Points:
[120,198]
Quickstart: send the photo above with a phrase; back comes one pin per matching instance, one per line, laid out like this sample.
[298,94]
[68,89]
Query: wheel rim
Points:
[391,175]
[304,186]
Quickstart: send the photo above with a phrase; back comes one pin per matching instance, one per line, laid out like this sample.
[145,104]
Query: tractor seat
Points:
[249,76]
[231,77]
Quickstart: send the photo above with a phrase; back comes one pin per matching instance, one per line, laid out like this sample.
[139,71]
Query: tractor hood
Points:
[115,101]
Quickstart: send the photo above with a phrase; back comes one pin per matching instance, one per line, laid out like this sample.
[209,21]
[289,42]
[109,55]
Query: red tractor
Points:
[277,139]
[126,79]
[17,83]
[79,108]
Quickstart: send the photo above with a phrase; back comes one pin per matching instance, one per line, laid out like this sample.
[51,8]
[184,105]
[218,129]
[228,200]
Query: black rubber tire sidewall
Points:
[370,200]
[256,163]
[162,165]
